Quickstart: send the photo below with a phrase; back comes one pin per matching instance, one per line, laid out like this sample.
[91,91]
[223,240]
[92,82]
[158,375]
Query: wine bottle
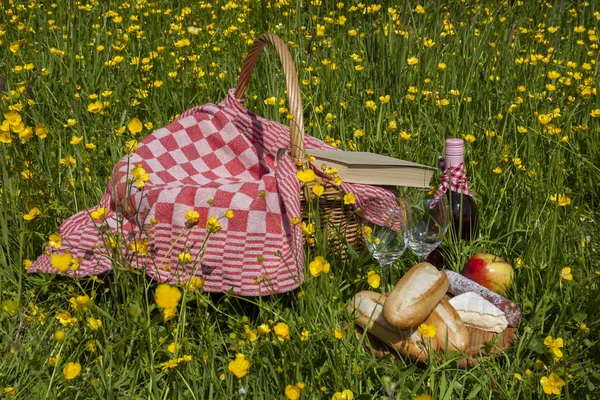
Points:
[465,217]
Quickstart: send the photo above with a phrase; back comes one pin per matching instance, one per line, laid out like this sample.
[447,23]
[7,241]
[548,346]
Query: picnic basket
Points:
[339,220]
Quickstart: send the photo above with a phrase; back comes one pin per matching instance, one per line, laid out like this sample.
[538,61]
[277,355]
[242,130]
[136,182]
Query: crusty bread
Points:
[415,296]
[451,332]
[367,308]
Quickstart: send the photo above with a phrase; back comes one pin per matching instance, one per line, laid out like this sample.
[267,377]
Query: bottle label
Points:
[453,178]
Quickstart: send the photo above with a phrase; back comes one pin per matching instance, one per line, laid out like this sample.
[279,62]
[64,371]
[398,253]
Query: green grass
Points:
[491,50]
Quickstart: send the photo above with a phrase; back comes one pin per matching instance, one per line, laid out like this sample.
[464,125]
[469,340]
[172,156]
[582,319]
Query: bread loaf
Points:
[415,296]
[451,332]
[367,308]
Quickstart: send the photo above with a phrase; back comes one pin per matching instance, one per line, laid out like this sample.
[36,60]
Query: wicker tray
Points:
[482,345]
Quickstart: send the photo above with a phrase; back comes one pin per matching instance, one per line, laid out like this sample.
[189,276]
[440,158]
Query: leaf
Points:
[536,346]
[580,316]
[474,392]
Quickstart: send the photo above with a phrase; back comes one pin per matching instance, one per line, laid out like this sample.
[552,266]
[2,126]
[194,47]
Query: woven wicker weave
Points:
[343,226]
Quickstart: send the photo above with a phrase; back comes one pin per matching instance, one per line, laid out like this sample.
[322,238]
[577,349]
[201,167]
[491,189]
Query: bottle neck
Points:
[455,152]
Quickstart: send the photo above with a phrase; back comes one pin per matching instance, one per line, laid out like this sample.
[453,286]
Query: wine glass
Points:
[431,219]
[387,237]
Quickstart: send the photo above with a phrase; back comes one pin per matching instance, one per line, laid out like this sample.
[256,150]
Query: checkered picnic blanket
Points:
[213,158]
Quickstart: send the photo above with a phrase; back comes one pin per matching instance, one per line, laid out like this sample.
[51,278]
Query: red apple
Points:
[490,271]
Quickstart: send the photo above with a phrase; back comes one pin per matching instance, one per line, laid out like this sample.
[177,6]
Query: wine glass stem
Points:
[385,271]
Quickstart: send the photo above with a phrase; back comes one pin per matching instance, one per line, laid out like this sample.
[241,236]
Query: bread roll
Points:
[367,308]
[451,332]
[415,296]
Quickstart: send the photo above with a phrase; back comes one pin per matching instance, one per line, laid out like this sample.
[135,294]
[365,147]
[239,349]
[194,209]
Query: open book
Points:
[373,169]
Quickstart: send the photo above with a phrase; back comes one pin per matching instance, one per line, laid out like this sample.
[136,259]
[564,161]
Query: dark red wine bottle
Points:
[465,217]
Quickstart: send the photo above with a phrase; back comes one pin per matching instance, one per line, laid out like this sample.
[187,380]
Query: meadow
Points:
[82,80]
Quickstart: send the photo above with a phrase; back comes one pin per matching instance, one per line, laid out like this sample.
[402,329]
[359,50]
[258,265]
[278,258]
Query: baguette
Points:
[367,308]
[415,296]
[451,332]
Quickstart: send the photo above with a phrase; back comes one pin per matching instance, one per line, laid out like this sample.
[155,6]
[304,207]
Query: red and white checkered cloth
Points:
[212,159]
[453,178]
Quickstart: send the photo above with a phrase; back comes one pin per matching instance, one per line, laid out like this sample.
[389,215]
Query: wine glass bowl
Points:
[387,237]
[431,219]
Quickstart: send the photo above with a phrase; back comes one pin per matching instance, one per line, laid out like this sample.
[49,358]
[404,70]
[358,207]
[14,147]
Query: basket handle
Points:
[291,83]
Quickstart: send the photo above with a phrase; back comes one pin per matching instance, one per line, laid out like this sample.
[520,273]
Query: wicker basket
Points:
[338,220]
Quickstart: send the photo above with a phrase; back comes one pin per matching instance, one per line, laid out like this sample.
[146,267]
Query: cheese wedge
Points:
[477,312]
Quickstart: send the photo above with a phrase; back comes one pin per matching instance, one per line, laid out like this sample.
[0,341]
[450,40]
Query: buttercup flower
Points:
[427,330]
[55,240]
[565,274]
[292,392]
[71,370]
[554,345]
[140,175]
[34,212]
[552,384]
[213,225]
[239,366]
[167,296]
[349,198]
[318,266]
[374,279]
[343,395]
[306,176]
[135,126]
[192,217]
[282,331]
[61,262]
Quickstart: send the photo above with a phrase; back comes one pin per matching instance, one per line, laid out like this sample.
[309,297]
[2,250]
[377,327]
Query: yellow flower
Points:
[306,176]
[167,296]
[427,330]
[318,189]
[552,384]
[497,170]
[239,366]
[34,212]
[61,262]
[553,75]
[338,333]
[98,213]
[583,327]
[307,229]
[131,146]
[565,274]
[192,217]
[292,392]
[213,225]
[374,279]
[419,9]
[343,395]
[282,331]
[94,324]
[423,397]
[229,214]
[60,335]
[349,198]
[370,105]
[469,138]
[76,140]
[169,313]
[318,266]
[139,246]
[412,61]
[195,283]
[95,107]
[595,113]
[173,347]
[305,333]
[134,126]
[554,345]
[70,122]
[405,136]
[544,118]
[185,257]
[561,199]
[384,99]
[263,329]
[521,129]
[9,391]
[270,101]
[71,370]
[140,175]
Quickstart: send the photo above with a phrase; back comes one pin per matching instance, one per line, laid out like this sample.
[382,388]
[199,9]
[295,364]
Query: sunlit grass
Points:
[517,80]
